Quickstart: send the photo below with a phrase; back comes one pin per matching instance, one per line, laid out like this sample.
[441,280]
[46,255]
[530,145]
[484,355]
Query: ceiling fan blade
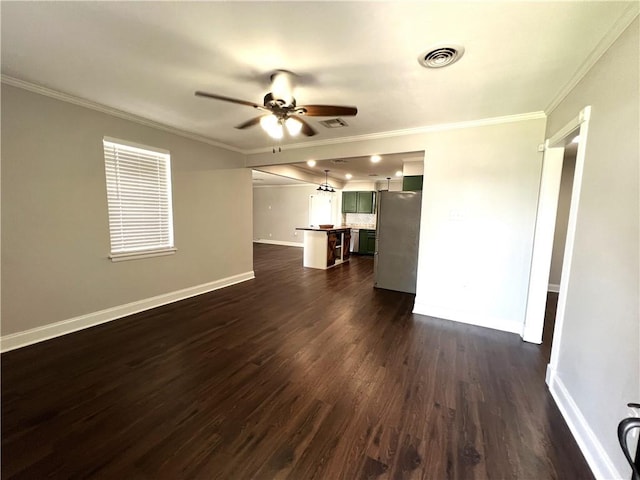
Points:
[227,99]
[327,110]
[249,123]
[306,128]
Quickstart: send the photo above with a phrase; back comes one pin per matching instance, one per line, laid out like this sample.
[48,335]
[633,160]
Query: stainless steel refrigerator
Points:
[398,229]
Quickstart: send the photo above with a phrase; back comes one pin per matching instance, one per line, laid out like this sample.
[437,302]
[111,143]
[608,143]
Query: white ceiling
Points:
[148,58]
[269,179]
[361,169]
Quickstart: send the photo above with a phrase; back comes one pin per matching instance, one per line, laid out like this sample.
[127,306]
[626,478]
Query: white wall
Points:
[395,185]
[278,210]
[597,366]
[478,217]
[360,186]
[55,233]
[413,167]
[473,269]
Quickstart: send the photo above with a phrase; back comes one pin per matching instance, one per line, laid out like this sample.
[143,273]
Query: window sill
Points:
[121,257]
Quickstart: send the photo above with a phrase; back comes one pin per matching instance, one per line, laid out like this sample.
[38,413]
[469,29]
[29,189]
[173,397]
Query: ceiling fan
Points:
[281,111]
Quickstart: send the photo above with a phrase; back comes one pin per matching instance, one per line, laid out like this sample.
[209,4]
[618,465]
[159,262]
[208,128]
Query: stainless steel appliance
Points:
[398,229]
[355,240]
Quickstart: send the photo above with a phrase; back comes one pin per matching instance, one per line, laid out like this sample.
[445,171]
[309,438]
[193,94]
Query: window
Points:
[139,198]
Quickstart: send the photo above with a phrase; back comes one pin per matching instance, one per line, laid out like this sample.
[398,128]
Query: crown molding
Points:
[66,97]
[628,15]
[410,131]
[285,185]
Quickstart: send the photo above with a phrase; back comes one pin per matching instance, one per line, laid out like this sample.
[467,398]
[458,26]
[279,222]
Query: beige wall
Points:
[477,223]
[278,210]
[599,349]
[55,236]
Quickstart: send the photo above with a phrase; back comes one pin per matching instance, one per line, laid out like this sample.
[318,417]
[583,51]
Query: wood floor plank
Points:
[298,374]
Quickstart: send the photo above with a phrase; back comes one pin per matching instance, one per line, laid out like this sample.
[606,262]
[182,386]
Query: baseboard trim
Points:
[279,242]
[553,287]
[467,318]
[595,455]
[57,329]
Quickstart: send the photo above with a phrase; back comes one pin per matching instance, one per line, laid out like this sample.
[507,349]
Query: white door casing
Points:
[543,244]
[543,240]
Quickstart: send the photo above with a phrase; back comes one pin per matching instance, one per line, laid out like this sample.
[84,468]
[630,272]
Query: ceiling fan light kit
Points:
[272,126]
[281,110]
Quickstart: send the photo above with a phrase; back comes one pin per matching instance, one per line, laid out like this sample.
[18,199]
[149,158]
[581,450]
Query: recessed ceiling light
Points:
[348,176]
[399,173]
[576,139]
[376,158]
[311,163]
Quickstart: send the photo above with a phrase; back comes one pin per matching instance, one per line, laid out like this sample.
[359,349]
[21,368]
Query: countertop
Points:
[362,227]
[332,229]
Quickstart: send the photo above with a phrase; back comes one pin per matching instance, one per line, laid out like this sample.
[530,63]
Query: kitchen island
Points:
[325,247]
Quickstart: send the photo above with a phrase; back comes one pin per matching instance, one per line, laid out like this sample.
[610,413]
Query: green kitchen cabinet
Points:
[349,202]
[367,242]
[358,202]
[366,202]
[412,183]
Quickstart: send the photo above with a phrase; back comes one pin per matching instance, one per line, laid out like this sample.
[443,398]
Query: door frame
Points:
[544,231]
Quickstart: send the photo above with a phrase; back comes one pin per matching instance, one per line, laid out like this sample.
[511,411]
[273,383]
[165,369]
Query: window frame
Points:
[152,251]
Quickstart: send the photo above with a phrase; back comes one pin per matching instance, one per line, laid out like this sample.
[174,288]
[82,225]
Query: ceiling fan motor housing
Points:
[282,87]
[271,101]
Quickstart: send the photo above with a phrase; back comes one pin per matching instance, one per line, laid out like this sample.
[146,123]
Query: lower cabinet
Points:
[332,253]
[325,248]
[367,244]
[338,247]
[346,245]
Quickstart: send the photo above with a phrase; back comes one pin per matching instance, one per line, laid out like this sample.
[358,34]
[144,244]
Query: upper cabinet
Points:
[412,183]
[358,202]
[349,202]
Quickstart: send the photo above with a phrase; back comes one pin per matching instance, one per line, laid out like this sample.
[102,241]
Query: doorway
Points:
[549,219]
[320,210]
[559,242]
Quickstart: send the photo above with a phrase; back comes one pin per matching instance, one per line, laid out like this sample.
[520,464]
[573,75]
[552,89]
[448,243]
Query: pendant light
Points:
[325,187]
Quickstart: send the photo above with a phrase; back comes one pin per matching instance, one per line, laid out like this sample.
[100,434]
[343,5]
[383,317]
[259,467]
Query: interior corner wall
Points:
[478,217]
[55,231]
[597,368]
[278,210]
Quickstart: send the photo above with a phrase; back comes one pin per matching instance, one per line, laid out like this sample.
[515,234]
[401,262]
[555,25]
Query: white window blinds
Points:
[139,198]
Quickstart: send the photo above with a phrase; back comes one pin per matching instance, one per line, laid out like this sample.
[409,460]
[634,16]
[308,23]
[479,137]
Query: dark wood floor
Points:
[299,374]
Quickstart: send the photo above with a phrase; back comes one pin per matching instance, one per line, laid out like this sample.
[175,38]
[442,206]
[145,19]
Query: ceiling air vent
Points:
[441,56]
[334,123]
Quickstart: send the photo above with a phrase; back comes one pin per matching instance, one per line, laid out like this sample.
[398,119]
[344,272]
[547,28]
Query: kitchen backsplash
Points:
[360,219]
